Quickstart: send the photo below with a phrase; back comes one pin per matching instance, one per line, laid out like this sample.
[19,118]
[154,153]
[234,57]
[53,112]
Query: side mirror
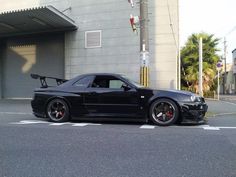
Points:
[126,87]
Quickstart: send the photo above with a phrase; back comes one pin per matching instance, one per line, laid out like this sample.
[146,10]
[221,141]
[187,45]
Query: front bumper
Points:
[193,113]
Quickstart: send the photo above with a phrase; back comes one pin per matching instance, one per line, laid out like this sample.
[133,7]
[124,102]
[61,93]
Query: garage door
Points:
[42,54]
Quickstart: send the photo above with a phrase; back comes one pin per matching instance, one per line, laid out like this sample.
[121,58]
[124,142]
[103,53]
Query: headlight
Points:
[193,98]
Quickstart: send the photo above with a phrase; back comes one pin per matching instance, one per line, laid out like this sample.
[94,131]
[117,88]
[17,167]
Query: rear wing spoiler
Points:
[43,80]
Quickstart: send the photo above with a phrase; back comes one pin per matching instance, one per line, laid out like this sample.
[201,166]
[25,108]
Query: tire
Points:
[58,110]
[164,112]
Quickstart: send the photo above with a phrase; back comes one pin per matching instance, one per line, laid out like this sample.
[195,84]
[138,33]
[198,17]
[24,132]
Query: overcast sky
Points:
[211,16]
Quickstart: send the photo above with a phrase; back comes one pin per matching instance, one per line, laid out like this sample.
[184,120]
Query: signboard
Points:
[219,65]
[144,59]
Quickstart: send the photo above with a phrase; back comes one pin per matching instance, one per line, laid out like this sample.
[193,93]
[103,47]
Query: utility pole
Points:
[144,43]
[225,77]
[200,67]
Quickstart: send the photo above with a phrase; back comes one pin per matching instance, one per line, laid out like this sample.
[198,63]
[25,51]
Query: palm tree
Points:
[190,62]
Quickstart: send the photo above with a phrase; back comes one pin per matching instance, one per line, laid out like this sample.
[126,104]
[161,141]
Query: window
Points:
[107,82]
[93,39]
[115,83]
[83,82]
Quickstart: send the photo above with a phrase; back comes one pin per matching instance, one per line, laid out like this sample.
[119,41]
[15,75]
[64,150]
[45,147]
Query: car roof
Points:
[101,74]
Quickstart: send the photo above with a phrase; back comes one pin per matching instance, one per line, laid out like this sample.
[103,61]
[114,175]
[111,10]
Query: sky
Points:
[211,16]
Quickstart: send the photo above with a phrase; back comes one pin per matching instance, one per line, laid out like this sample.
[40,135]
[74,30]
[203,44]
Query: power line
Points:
[171,24]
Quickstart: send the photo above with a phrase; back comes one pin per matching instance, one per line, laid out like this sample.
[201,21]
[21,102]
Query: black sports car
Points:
[94,96]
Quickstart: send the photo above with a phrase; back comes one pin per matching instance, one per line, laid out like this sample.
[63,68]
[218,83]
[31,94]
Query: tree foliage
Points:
[190,63]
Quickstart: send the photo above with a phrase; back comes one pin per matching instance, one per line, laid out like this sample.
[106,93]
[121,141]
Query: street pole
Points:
[218,83]
[224,78]
[144,43]
[200,67]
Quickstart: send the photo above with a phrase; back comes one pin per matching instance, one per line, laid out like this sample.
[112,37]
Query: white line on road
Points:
[29,122]
[58,124]
[79,124]
[16,113]
[227,127]
[83,124]
[204,127]
[211,128]
[147,127]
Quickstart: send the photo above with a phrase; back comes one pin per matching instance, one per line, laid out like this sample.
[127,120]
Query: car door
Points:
[81,93]
[115,97]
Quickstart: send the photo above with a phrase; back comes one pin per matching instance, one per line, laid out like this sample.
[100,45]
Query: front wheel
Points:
[164,112]
[58,110]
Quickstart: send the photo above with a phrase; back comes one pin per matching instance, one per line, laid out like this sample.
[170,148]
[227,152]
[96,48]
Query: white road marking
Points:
[227,127]
[58,124]
[211,128]
[16,113]
[147,127]
[79,124]
[83,124]
[29,122]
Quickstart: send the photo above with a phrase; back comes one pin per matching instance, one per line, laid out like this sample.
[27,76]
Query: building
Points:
[65,38]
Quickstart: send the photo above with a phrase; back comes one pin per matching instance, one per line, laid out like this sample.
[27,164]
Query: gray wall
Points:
[120,46]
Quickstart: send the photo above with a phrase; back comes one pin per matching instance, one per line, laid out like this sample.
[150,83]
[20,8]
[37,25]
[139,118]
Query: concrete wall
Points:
[120,46]
[163,42]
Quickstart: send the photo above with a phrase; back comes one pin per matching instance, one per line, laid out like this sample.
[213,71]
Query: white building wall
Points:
[120,46]
[164,42]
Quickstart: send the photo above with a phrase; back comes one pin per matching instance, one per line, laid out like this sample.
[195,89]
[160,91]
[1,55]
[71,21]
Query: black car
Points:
[94,96]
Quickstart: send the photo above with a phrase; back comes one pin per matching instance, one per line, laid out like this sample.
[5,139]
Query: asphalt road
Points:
[32,147]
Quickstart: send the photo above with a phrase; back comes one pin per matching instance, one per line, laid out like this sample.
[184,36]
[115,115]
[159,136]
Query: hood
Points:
[178,92]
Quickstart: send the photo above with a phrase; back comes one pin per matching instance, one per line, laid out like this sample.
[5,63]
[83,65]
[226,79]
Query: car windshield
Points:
[133,82]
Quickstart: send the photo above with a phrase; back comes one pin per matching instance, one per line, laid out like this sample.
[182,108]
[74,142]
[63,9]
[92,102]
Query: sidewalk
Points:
[227,97]
[222,106]
[9,105]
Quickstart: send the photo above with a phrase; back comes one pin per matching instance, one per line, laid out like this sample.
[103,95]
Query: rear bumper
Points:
[193,113]
[38,108]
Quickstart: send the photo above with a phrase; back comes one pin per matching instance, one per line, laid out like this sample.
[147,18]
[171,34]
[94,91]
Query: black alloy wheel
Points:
[164,112]
[58,110]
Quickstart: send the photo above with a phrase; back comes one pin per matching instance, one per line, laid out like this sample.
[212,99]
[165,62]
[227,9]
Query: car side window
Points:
[107,82]
[83,82]
[115,84]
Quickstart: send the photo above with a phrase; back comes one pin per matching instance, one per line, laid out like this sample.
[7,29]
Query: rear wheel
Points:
[58,110]
[164,112]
